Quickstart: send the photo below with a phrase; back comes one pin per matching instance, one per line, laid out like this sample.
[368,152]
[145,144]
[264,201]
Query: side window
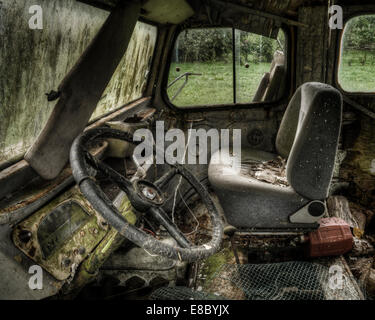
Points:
[224,66]
[260,67]
[357,62]
[130,78]
[202,67]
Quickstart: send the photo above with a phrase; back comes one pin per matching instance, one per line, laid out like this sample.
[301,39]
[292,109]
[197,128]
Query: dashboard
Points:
[62,234]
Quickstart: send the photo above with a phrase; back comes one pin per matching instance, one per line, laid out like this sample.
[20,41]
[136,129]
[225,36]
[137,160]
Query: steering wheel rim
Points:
[81,160]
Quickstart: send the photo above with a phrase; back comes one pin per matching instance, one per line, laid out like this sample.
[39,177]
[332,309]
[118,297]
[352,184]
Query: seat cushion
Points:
[257,165]
[250,198]
[272,171]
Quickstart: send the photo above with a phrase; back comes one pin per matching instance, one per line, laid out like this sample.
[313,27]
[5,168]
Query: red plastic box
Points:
[332,238]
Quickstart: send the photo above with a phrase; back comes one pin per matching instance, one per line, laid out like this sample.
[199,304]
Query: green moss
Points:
[87,236]
[126,210]
[34,62]
[213,264]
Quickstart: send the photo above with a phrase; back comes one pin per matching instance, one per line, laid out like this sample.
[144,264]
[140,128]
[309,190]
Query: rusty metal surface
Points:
[63,261]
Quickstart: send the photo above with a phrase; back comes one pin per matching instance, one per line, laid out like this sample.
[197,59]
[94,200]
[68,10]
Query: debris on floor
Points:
[361,258]
[273,171]
[216,276]
[360,266]
[370,284]
[209,267]
[358,210]
[362,269]
[362,247]
[270,248]
[338,206]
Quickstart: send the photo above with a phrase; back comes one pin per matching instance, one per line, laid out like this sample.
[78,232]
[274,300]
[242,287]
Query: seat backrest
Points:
[259,94]
[273,82]
[308,136]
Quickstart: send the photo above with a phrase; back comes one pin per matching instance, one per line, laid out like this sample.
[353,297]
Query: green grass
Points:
[215,85]
[355,74]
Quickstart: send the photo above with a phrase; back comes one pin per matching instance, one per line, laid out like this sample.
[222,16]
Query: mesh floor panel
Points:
[183,293]
[277,281]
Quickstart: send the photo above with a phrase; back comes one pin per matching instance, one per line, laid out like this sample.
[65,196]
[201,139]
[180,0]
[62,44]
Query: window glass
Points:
[357,62]
[34,61]
[203,63]
[130,78]
[206,63]
[254,57]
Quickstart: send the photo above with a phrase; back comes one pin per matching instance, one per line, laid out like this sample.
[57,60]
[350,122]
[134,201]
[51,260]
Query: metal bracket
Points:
[186,75]
[310,213]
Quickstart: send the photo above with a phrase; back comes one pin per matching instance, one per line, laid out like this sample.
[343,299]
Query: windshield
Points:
[49,55]
[35,57]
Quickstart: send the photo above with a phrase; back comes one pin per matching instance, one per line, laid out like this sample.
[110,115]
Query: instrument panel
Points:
[62,234]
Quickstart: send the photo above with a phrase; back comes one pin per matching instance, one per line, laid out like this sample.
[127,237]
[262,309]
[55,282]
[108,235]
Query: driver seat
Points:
[308,139]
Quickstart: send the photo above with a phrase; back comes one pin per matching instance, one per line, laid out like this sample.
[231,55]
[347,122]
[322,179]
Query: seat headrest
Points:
[259,94]
[273,82]
[278,58]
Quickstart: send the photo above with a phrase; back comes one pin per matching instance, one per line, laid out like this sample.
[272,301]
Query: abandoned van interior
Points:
[187,150]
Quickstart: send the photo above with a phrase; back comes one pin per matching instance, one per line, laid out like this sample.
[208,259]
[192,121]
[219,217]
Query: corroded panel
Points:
[61,258]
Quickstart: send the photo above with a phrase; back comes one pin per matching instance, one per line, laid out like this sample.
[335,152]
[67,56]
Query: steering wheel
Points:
[145,196]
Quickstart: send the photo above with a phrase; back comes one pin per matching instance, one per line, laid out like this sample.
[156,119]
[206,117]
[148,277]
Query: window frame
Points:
[248,105]
[338,51]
